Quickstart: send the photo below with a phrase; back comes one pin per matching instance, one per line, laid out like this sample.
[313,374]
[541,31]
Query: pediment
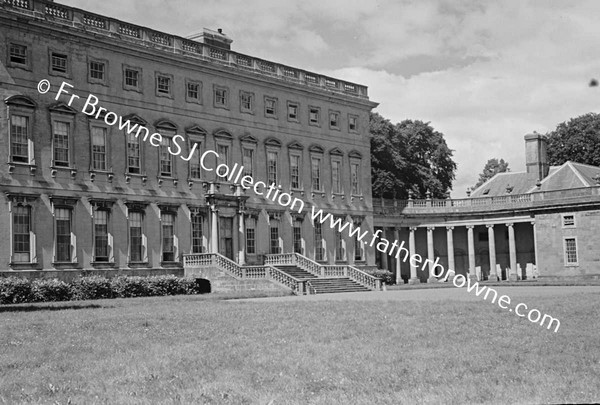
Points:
[336,152]
[273,142]
[135,119]
[20,101]
[295,145]
[165,124]
[316,149]
[62,108]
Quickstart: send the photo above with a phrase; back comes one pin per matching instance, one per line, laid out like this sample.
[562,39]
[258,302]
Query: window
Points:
[221,97]
[163,84]
[61,143]
[223,151]
[62,218]
[297,236]
[295,171]
[568,221]
[355,178]
[358,248]
[247,102]
[168,237]
[131,77]
[251,235]
[352,123]
[571,251]
[340,246]
[316,173]
[334,120]
[134,160]
[313,116]
[18,54]
[195,168]
[336,173]
[270,107]
[319,242]
[58,63]
[97,71]
[101,251]
[19,138]
[99,148]
[248,161]
[21,234]
[166,158]
[292,111]
[197,243]
[274,232]
[193,92]
[272,167]
[136,237]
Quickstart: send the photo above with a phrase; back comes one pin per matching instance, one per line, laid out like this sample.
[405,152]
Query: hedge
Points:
[15,290]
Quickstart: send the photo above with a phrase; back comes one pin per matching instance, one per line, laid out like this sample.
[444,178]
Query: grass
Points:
[210,350]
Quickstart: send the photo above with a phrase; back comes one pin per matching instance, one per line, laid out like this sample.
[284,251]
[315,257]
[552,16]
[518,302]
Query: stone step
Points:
[296,272]
[335,285]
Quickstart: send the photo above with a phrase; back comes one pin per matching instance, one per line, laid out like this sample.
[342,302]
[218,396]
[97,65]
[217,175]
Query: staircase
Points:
[295,272]
[334,285]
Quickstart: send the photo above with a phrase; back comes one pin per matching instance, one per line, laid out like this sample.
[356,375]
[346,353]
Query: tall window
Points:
[336,173]
[251,235]
[274,230]
[295,171]
[355,178]
[358,248]
[61,143]
[571,251]
[195,168]
[319,249]
[340,248]
[21,234]
[248,161]
[272,167]
[99,148]
[101,236]
[168,237]
[19,138]
[197,244]
[297,236]
[134,160]
[63,234]
[166,158]
[136,237]
[316,173]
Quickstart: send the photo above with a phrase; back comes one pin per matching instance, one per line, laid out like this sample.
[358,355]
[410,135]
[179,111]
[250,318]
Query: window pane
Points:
[98,148]
[295,171]
[166,158]
[19,148]
[197,246]
[275,247]
[297,237]
[21,233]
[272,167]
[61,143]
[133,154]
[18,54]
[101,236]
[251,236]
[316,174]
[135,236]
[168,239]
[248,161]
[335,177]
[63,234]
[319,251]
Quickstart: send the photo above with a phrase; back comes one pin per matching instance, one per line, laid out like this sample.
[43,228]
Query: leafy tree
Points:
[410,155]
[577,140]
[490,169]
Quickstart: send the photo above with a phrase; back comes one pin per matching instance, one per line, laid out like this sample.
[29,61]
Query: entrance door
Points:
[226,237]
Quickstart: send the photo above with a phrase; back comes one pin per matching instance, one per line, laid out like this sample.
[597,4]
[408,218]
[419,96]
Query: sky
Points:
[484,73]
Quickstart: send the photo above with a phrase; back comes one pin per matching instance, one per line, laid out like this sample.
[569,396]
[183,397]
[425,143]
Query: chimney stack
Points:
[536,158]
[213,38]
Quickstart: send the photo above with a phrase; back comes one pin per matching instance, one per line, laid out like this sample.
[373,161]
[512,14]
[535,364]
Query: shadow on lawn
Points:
[33,307]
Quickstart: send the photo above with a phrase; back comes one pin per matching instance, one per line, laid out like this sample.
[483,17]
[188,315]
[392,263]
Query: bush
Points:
[50,290]
[14,290]
[91,288]
[383,275]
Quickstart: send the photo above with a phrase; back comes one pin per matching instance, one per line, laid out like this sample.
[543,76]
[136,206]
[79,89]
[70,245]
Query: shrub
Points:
[383,275]
[91,288]
[14,290]
[126,287]
[50,290]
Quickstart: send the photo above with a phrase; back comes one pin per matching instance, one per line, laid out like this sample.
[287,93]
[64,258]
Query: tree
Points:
[490,169]
[577,140]
[410,155]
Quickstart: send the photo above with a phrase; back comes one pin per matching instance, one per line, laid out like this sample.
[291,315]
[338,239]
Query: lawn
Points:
[207,350]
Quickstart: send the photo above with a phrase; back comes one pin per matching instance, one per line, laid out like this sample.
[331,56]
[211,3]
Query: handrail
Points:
[283,278]
[366,279]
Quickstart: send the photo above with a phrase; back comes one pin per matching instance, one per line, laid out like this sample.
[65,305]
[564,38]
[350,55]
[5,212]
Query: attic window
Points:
[486,191]
[568,220]
[509,189]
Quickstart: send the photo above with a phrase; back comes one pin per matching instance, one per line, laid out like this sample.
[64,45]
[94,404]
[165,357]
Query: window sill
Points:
[138,265]
[64,264]
[54,170]
[13,165]
[23,265]
[171,264]
[103,264]
[161,179]
[109,174]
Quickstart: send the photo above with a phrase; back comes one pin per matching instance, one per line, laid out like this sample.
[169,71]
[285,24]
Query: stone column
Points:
[214,233]
[384,255]
[471,247]
[450,246]
[535,247]
[241,239]
[412,248]
[492,248]
[399,279]
[430,253]
[513,252]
